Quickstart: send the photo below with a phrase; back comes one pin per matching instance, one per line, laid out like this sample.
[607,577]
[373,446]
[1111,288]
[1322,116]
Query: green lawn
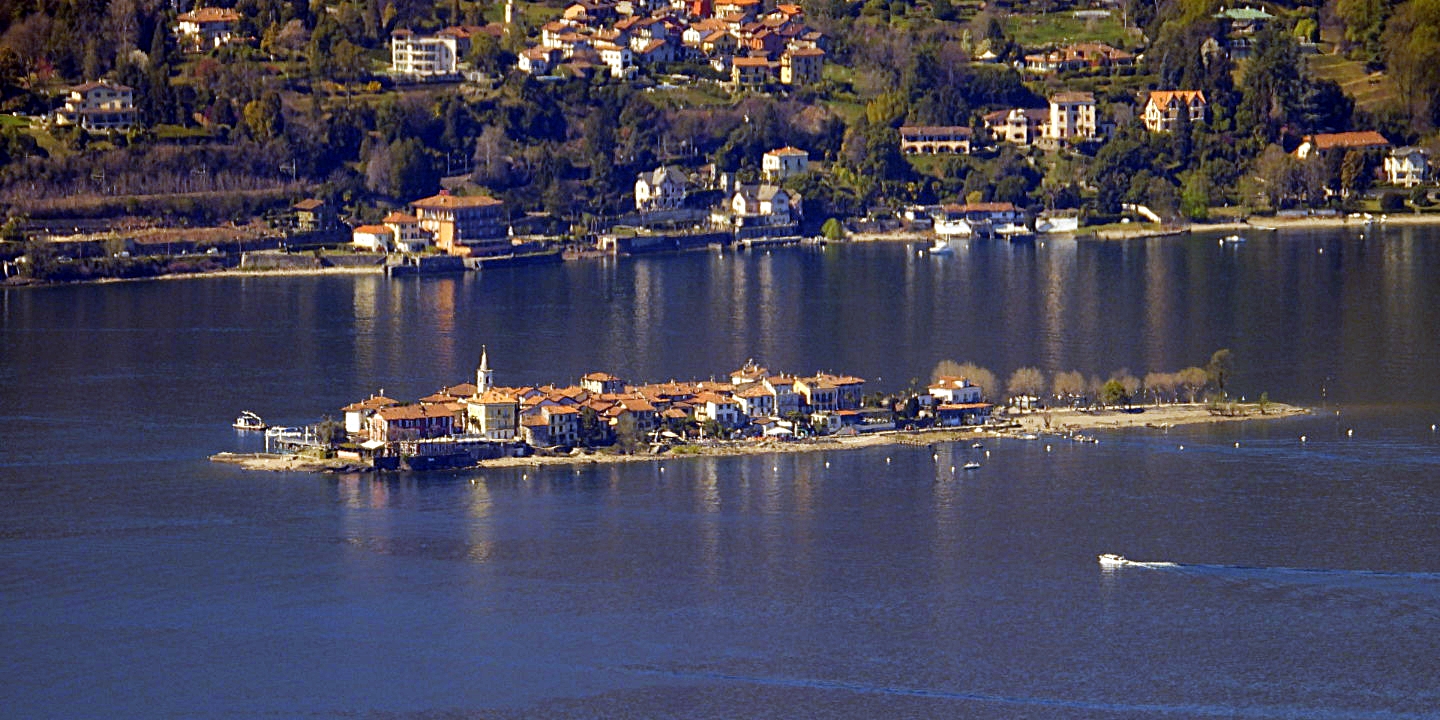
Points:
[1063,28]
[11,121]
[1372,91]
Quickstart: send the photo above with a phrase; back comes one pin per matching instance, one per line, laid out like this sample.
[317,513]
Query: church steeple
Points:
[484,376]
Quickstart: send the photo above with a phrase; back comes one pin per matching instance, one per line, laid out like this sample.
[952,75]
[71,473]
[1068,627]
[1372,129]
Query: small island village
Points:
[752,410]
[146,139]
[469,422]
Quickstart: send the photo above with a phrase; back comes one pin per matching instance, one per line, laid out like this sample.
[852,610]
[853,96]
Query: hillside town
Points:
[469,421]
[471,130]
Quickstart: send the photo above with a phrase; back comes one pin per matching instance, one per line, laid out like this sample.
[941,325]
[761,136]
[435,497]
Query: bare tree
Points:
[1068,385]
[1026,381]
[1192,380]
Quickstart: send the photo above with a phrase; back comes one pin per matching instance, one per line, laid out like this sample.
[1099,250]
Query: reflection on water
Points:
[882,582]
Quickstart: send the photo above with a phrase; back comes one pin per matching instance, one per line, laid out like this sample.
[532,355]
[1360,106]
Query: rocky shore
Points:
[1061,422]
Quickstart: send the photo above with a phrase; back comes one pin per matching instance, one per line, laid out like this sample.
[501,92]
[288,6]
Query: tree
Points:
[1069,385]
[1354,175]
[1192,380]
[1113,393]
[1026,381]
[1218,370]
[1195,195]
[403,170]
[833,230]
[264,117]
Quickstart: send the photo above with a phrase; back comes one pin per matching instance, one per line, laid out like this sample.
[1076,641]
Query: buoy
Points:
[776,468]
[1237,445]
[952,468]
[1322,251]
[1047,448]
[1350,432]
[827,463]
[935,457]
[662,469]
[987,453]
[1303,438]
[887,461]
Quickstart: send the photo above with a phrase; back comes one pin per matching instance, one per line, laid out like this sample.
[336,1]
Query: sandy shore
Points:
[1051,422]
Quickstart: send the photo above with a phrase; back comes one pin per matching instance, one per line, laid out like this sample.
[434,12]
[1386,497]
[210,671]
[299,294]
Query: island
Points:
[602,418]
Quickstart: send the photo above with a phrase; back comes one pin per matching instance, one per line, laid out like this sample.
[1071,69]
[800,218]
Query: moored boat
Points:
[971,466]
[248,421]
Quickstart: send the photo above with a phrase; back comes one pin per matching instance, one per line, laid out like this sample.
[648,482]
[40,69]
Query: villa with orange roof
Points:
[464,225]
[206,28]
[1164,108]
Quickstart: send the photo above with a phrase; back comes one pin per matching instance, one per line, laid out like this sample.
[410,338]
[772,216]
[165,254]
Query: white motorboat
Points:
[977,446]
[248,421]
[971,466]
[1112,560]
[941,247]
[1029,436]
[1231,240]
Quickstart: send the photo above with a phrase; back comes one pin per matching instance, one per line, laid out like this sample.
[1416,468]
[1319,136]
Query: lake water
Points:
[139,580]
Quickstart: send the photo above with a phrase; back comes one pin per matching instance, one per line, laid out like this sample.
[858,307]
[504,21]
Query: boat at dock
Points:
[941,247]
[248,421]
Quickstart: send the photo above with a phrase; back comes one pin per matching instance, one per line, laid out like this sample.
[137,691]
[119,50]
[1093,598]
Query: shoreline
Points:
[1141,231]
[1060,423]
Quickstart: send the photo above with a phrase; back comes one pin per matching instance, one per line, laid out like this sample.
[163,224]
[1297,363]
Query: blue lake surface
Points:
[1291,579]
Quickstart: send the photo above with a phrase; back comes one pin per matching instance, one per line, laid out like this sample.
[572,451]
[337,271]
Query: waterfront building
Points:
[464,225]
[372,238]
[406,235]
[493,414]
[412,422]
[99,106]
[955,390]
[663,188]
[357,415]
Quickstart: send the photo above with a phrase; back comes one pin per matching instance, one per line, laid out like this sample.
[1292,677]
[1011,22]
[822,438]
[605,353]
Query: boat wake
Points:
[1270,572]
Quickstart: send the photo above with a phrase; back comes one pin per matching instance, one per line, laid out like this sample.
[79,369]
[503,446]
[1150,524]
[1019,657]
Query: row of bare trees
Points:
[1072,387]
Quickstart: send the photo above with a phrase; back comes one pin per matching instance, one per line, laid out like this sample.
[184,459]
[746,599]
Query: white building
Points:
[373,238]
[1407,166]
[661,189]
[618,58]
[206,28]
[759,205]
[98,107]
[406,235]
[1072,117]
[779,164]
[955,391]
[424,56]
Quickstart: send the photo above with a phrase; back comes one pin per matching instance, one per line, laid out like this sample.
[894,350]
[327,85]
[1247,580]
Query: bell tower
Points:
[484,376]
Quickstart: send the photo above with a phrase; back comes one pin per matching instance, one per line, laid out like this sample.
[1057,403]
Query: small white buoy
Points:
[1237,445]
[827,463]
[1304,439]
[1322,251]
[1350,432]
[987,453]
[472,481]
[887,461]
[662,469]
[1047,448]
[1432,427]
[952,468]
[523,476]
[775,468]
[935,457]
